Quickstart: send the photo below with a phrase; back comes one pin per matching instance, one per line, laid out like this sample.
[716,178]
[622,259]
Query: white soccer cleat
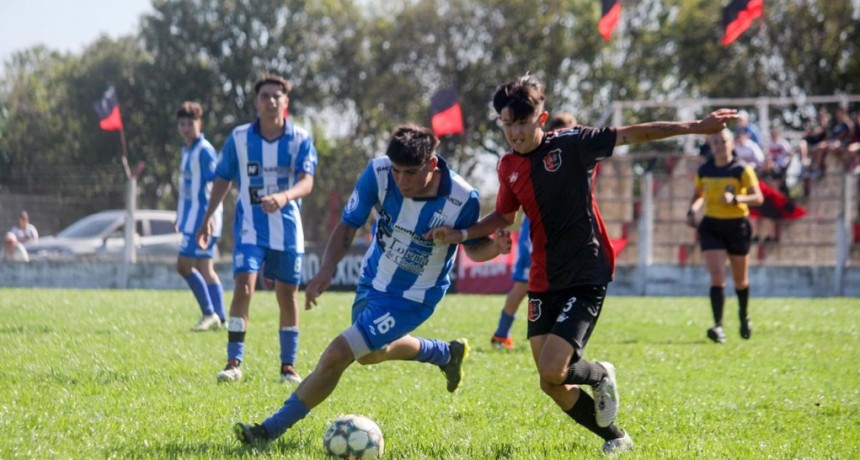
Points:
[207,322]
[606,397]
[231,373]
[618,445]
[289,374]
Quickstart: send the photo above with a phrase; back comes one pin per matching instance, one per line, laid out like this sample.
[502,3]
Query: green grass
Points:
[118,374]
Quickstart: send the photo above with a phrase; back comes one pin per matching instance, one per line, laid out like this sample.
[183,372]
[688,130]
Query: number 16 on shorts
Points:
[384,323]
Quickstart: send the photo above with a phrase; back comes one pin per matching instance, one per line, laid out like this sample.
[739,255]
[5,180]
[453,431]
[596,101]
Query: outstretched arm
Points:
[487,225]
[338,243]
[488,248]
[645,132]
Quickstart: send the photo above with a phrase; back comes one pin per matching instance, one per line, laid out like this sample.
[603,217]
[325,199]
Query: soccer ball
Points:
[353,436]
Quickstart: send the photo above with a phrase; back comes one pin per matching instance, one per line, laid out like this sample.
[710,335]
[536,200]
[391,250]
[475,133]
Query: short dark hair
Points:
[273,79]
[524,97]
[561,120]
[411,145]
[190,110]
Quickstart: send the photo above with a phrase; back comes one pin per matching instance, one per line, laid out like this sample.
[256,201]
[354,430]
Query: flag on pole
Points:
[609,16]
[446,114]
[738,16]
[108,110]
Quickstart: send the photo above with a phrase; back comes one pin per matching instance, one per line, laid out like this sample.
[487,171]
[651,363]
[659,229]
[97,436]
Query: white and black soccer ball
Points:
[353,436]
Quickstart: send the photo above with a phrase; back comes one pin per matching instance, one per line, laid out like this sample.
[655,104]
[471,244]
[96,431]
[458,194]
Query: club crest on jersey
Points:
[438,219]
[534,309]
[552,160]
[513,177]
[352,204]
[253,169]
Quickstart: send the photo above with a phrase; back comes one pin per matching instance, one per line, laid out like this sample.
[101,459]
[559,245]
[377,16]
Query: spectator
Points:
[744,124]
[14,250]
[813,147]
[840,139]
[748,150]
[24,231]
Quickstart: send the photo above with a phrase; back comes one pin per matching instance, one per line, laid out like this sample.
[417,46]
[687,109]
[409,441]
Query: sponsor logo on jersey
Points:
[513,177]
[534,309]
[455,201]
[552,160]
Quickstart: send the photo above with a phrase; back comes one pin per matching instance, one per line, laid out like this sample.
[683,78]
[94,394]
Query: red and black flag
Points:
[108,109]
[609,16]
[446,114]
[738,16]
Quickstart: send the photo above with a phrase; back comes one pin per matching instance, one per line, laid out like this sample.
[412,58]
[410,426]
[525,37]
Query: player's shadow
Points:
[231,449]
[670,341]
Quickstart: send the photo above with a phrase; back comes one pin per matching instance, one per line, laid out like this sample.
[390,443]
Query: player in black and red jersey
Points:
[550,176]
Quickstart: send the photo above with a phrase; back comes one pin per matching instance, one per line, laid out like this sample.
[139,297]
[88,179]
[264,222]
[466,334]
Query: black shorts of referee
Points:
[732,235]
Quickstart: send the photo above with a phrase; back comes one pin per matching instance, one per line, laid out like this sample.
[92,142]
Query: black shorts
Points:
[732,235]
[570,314]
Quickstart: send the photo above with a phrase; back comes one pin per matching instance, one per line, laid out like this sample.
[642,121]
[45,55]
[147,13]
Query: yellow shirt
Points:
[714,181]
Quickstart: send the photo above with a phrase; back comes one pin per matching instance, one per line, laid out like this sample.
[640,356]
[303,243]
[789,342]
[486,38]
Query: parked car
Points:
[102,236]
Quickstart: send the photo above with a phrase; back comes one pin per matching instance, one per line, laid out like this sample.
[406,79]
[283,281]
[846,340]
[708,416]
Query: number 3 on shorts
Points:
[384,323]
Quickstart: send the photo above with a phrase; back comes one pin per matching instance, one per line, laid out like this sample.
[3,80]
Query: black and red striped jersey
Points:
[554,186]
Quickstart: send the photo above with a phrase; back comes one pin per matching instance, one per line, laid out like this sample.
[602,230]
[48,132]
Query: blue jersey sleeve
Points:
[307,157]
[469,215]
[228,164]
[208,162]
[363,198]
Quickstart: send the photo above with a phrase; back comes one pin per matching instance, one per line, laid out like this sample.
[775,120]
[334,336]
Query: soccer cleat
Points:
[289,374]
[250,434]
[207,322]
[606,397]
[717,334]
[454,369]
[618,445]
[231,372]
[746,328]
[502,343]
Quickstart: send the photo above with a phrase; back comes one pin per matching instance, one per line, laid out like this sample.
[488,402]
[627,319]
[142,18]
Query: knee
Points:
[551,375]
[336,357]
[183,269]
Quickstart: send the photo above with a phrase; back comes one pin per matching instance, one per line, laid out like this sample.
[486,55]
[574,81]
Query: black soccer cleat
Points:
[717,334]
[250,434]
[746,329]
[454,369]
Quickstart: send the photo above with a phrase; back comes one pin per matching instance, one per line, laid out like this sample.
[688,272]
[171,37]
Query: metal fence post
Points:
[646,231]
[843,232]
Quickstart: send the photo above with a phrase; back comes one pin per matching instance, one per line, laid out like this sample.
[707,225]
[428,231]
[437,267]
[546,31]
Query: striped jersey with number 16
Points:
[196,172]
[262,167]
[399,260]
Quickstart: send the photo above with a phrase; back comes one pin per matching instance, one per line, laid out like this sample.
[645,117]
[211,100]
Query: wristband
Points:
[464,235]
[734,199]
[690,213]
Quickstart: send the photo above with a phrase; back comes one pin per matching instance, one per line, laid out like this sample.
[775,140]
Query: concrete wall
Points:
[657,280]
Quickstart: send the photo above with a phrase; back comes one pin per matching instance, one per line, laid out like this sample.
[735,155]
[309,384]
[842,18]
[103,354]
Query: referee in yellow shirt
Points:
[726,187]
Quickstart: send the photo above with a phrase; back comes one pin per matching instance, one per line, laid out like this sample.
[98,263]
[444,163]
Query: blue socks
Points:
[236,350]
[504,327]
[291,412]
[433,352]
[198,287]
[216,295]
[289,345]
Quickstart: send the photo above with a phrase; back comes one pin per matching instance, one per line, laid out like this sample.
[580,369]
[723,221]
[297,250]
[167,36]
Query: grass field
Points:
[118,374]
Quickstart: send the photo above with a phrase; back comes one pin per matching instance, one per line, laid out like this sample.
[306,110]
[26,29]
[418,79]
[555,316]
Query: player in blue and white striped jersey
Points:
[273,163]
[196,172]
[404,274]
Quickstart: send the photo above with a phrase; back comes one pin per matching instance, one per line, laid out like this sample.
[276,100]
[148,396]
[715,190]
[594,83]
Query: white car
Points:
[102,236]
